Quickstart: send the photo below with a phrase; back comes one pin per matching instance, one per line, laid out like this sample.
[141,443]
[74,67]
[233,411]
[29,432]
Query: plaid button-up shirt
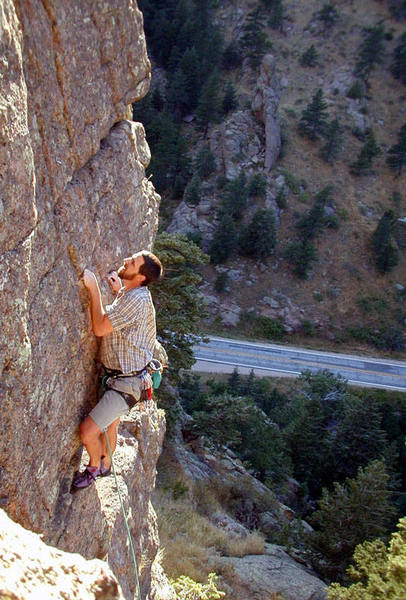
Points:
[130,346]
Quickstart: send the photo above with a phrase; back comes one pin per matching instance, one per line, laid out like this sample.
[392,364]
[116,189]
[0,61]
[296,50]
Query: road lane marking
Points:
[308,363]
[288,349]
[269,369]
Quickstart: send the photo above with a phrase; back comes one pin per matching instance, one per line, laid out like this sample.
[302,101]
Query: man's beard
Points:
[123,275]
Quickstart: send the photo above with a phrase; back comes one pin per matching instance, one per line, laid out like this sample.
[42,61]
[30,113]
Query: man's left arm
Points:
[101,324]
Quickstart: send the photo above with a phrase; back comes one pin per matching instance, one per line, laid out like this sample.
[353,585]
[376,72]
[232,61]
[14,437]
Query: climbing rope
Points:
[130,539]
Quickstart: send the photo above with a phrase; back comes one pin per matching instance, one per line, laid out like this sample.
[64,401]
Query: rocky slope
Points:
[73,193]
[343,282]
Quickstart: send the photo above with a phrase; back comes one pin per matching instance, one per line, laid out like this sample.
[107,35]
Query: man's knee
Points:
[88,430]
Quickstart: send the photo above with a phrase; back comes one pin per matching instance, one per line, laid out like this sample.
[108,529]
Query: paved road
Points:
[222,355]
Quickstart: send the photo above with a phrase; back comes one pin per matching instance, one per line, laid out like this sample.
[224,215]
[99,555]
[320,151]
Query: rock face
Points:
[29,568]
[238,144]
[265,106]
[73,193]
[275,573]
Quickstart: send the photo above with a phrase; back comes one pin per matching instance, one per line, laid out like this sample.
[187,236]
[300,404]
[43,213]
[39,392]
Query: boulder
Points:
[31,569]
[275,573]
[237,144]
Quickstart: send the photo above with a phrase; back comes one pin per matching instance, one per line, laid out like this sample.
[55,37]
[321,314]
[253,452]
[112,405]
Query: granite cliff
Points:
[73,193]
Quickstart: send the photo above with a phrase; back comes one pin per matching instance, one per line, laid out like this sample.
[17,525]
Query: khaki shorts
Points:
[112,405]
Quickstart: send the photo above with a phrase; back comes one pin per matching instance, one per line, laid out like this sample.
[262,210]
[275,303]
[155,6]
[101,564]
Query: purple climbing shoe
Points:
[103,472]
[86,478]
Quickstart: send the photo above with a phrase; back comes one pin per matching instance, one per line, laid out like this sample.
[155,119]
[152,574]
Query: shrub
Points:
[354,512]
[188,589]
[356,90]
[309,57]
[192,191]
[379,572]
[257,186]
[386,255]
[205,162]
[301,254]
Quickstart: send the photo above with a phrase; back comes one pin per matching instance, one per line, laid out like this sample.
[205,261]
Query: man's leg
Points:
[91,437]
[112,436]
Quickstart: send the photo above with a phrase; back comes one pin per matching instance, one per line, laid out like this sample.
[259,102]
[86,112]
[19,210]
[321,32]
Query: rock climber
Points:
[128,331]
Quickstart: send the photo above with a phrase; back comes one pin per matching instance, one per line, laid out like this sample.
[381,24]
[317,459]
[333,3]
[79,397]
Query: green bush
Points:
[188,589]
[356,90]
[379,572]
[257,186]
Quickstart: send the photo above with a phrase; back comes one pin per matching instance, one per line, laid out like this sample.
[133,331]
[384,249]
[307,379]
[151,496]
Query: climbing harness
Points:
[130,539]
[150,378]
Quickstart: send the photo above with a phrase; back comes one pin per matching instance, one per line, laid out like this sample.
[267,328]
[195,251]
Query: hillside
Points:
[342,297]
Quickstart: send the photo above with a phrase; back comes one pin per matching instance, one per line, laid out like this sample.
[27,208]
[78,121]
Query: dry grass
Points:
[191,542]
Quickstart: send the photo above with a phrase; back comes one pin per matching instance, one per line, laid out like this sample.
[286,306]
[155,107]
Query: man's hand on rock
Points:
[114,282]
[89,280]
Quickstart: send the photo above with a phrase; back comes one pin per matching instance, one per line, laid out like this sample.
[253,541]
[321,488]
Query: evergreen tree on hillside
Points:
[314,121]
[300,255]
[192,191]
[258,239]
[229,102]
[189,64]
[169,151]
[328,14]
[234,201]
[254,41]
[370,150]
[275,10]
[332,147]
[371,51]
[399,60]
[209,103]
[205,163]
[316,219]
[309,57]
[224,242]
[386,255]
[397,153]
[352,513]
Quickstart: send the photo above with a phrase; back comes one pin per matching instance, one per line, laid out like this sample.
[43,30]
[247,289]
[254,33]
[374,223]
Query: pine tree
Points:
[367,153]
[231,57]
[276,13]
[177,300]
[386,255]
[314,117]
[352,513]
[235,199]
[254,40]
[258,239]
[328,14]
[397,153]
[334,135]
[205,163]
[301,254]
[224,242]
[208,107]
[309,57]
[371,51]
[192,191]
[399,60]
[230,99]
[189,65]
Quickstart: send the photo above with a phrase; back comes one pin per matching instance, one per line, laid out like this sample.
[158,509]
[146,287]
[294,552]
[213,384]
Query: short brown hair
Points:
[151,269]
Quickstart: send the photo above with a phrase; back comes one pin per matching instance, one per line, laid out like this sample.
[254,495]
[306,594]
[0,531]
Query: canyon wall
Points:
[73,194]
